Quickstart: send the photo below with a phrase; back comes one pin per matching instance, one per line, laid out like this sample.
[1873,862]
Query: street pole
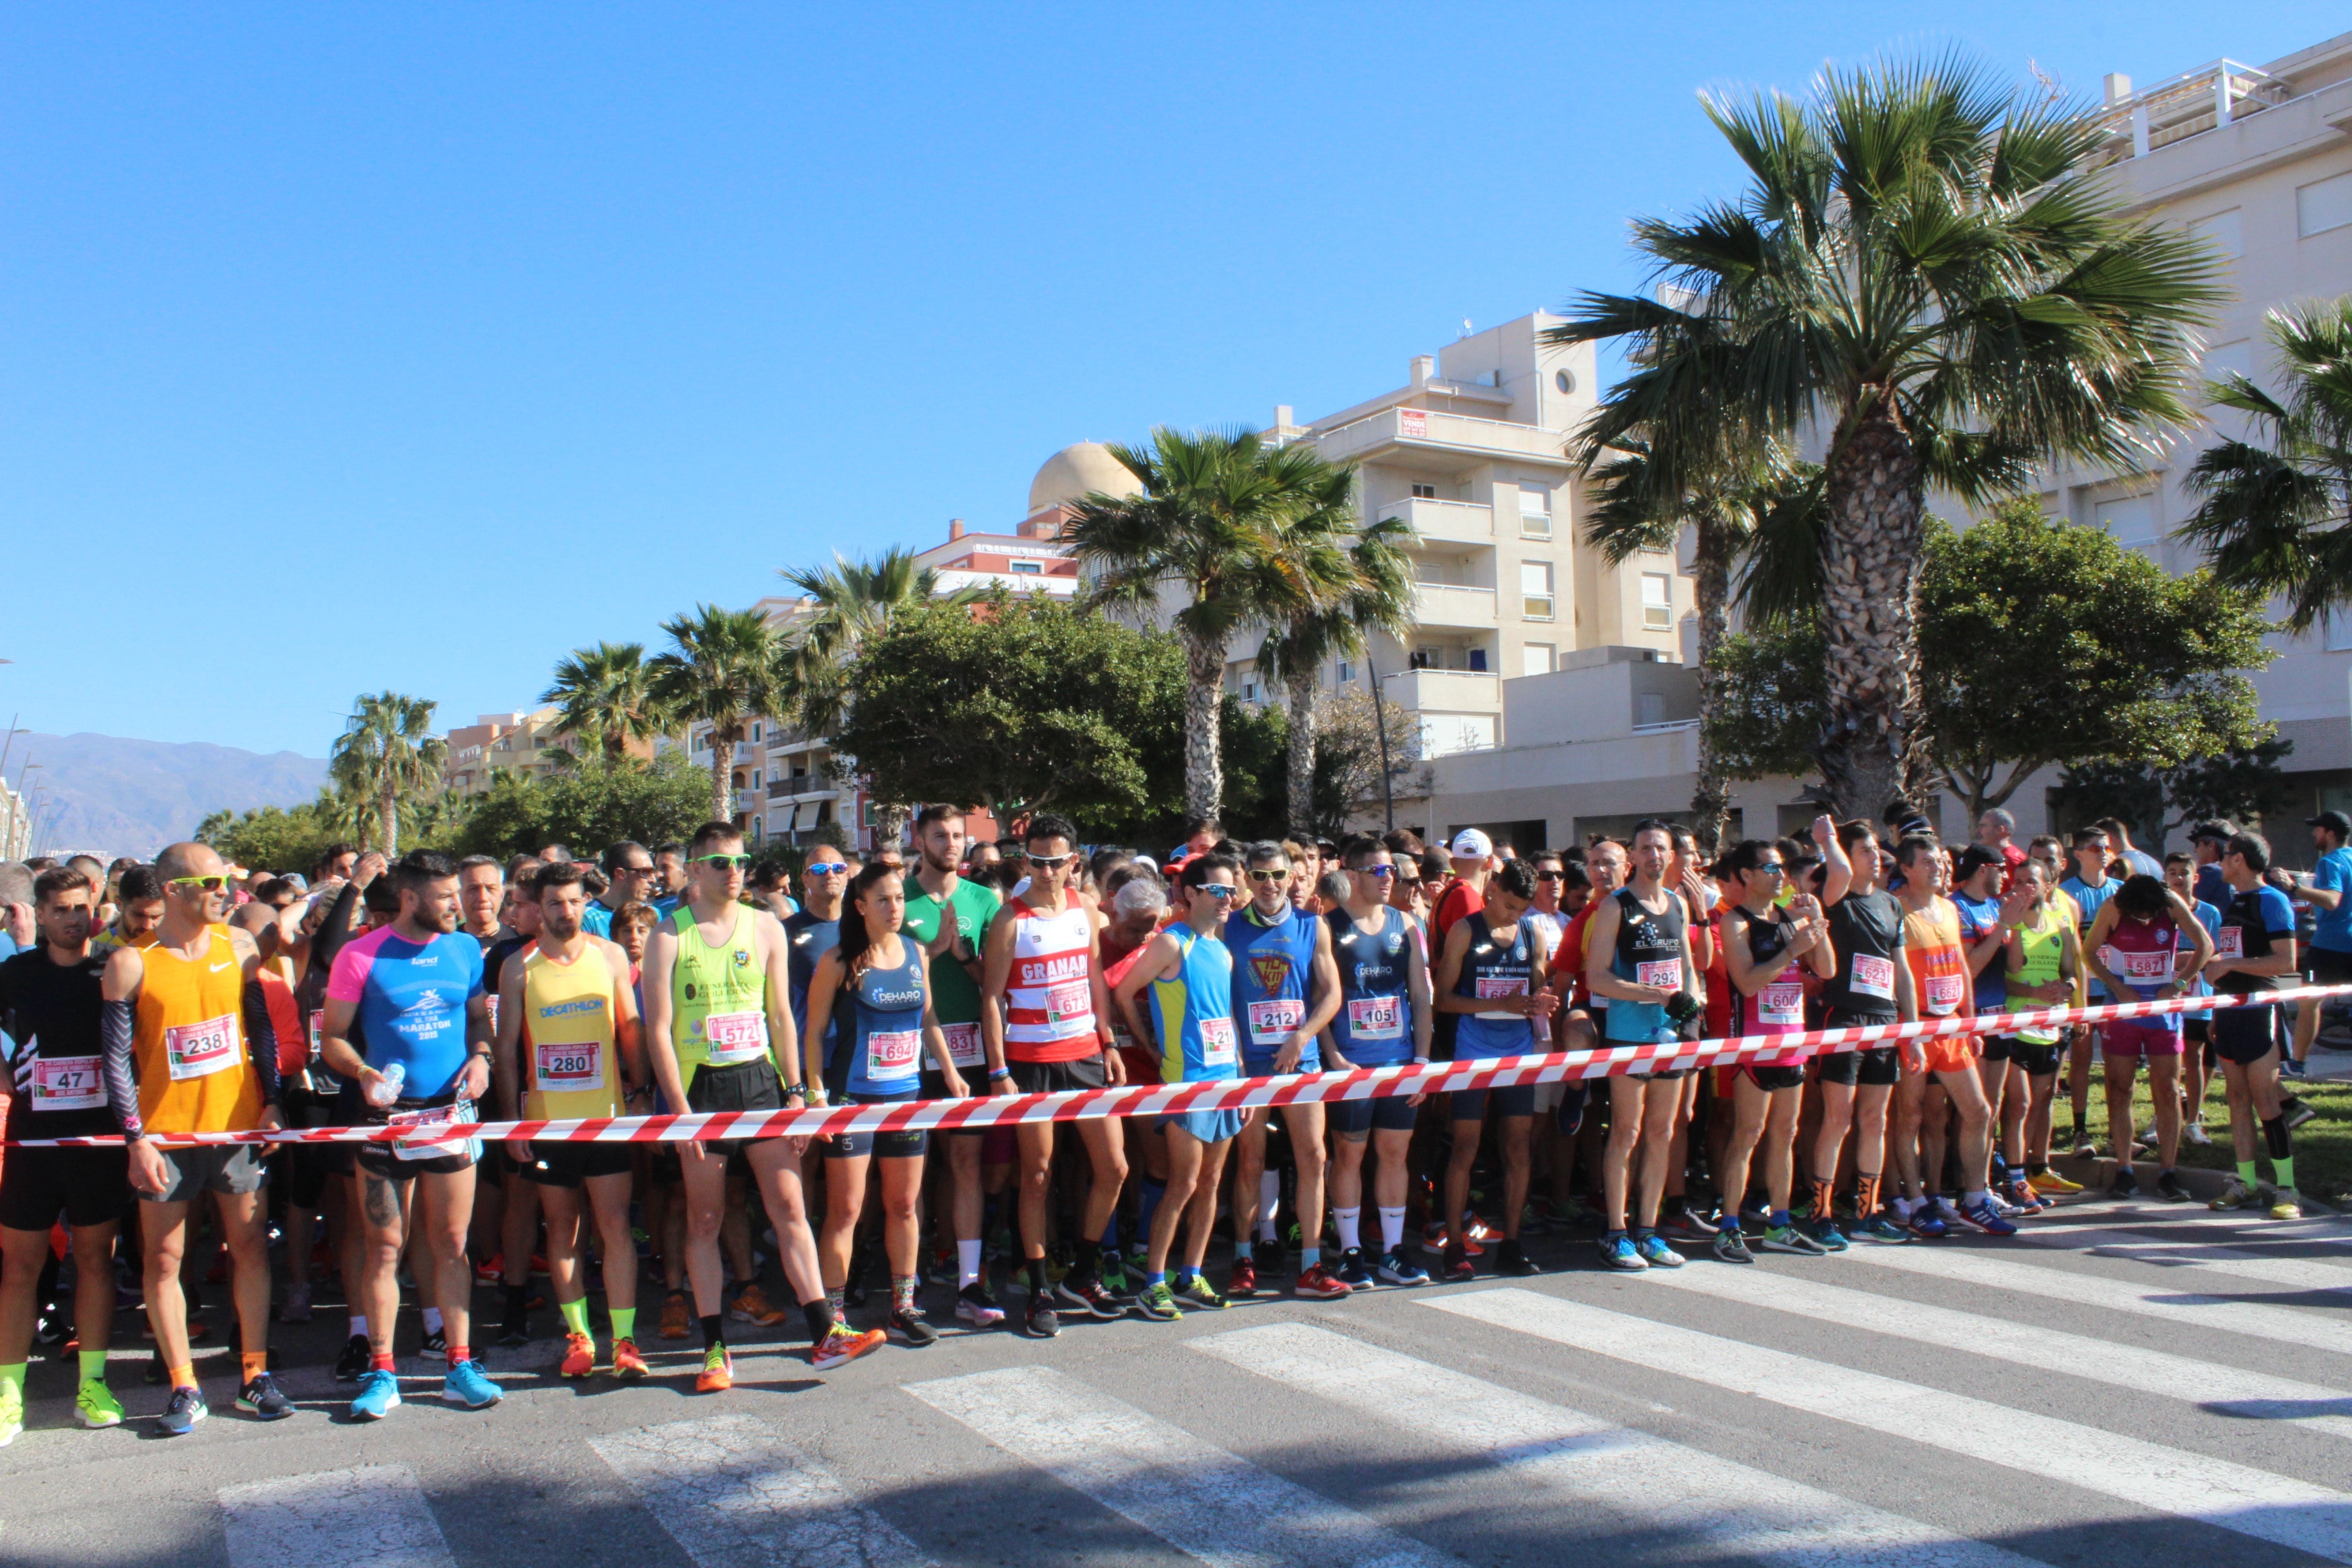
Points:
[1381,725]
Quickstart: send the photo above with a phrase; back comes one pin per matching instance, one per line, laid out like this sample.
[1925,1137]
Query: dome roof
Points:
[1079,470]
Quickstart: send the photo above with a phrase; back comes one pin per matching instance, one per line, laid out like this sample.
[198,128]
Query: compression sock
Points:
[902,1292]
[836,1298]
[432,1319]
[1086,1259]
[1350,1222]
[575,1314]
[1148,1202]
[1825,1196]
[2248,1175]
[517,1298]
[253,1363]
[818,1316]
[2274,1138]
[1865,1193]
[714,1330]
[1036,1270]
[1391,1230]
[2284,1165]
[93,1367]
[625,1321]
[967,1263]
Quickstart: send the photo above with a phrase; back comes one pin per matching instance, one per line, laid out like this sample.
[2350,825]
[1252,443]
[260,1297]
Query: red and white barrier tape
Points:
[1224,1094]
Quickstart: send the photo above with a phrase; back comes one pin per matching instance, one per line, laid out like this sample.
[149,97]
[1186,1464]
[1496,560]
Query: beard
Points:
[562,928]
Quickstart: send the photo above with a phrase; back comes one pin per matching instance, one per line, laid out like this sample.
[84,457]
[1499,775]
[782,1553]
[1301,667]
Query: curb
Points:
[2095,1174]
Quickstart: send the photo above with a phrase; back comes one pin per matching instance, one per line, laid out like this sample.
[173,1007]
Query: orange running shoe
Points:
[627,1365]
[676,1318]
[845,1344]
[717,1371]
[751,1306]
[579,1356]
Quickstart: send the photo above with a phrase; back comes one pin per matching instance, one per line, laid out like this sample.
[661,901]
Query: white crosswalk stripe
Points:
[2194,1486]
[1198,1497]
[1590,1467]
[2225,1388]
[1974,1266]
[734,1494]
[371,1517]
[2218,1264]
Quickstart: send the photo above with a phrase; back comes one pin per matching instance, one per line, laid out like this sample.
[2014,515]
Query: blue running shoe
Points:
[1396,1268]
[1656,1253]
[1881,1228]
[470,1384]
[1927,1221]
[1987,1218]
[1826,1232]
[1617,1252]
[180,1417]
[379,1391]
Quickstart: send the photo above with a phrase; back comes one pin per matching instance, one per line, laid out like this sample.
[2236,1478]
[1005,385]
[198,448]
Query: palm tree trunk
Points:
[890,825]
[1711,795]
[1873,746]
[722,757]
[387,821]
[1204,691]
[1301,757]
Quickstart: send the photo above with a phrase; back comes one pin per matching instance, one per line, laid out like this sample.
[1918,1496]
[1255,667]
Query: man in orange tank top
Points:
[187,1016]
[1942,969]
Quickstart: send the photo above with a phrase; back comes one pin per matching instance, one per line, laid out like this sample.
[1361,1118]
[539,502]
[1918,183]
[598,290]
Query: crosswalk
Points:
[1587,1402]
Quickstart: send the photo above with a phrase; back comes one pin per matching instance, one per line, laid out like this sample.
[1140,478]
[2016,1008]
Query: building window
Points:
[1649,708]
[1535,590]
[1249,687]
[1028,568]
[1478,660]
[1535,512]
[2323,204]
[2131,519]
[1424,492]
[1657,602]
[1563,381]
[1535,658]
[1346,673]
[758,733]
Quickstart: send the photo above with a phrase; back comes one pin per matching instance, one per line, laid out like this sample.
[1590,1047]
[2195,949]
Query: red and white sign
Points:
[1413,422]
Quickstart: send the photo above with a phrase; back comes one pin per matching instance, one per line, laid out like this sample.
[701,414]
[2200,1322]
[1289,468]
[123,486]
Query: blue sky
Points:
[363,346]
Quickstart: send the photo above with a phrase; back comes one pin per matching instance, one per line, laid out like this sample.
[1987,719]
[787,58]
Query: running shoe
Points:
[908,1324]
[1928,1222]
[2194,1132]
[1241,1280]
[95,1405]
[1316,1283]
[1731,1247]
[1656,1253]
[2236,1195]
[263,1400]
[2125,1186]
[1456,1266]
[1512,1259]
[1617,1251]
[843,1344]
[2148,1135]
[977,1306]
[295,1309]
[1042,1321]
[434,1342]
[752,1306]
[1090,1295]
[1201,1293]
[1789,1238]
[1986,1219]
[1434,1240]
[2289,1067]
[492,1272]
[628,1365]
[579,1356]
[1159,1304]
[2288,1205]
[515,1330]
[12,1412]
[717,1374]
[1354,1272]
[2295,1109]
[352,1365]
[1827,1235]
[1396,1268]
[1115,1279]
[187,1407]
[1880,1228]
[676,1317]
[2170,1188]
[2021,1195]
[469,1383]
[2084,1148]
[1688,1224]
[2046,1179]
[379,1393]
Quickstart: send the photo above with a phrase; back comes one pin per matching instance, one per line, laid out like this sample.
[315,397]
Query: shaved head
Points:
[189,860]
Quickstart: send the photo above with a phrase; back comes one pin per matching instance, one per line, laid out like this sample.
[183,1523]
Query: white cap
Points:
[1147,861]
[1471,845]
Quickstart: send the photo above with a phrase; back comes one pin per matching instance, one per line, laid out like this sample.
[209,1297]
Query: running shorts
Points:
[903,1145]
[87,1186]
[565,1164]
[1057,1077]
[2244,1035]
[1877,1066]
[1359,1118]
[228,1169]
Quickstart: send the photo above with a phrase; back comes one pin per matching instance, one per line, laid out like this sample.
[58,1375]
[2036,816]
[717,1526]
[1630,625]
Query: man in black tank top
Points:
[1637,958]
[1873,986]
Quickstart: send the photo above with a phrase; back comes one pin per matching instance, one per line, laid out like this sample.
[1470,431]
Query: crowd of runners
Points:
[190,995]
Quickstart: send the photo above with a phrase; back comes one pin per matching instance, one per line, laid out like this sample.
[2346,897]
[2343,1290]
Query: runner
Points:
[1873,986]
[139,909]
[1606,864]
[629,874]
[1048,1031]
[50,1001]
[189,1049]
[414,988]
[1190,972]
[2134,950]
[811,933]
[1286,993]
[2196,1028]
[1639,962]
[2088,890]
[517,1198]
[481,895]
[1996,834]
[2327,889]
[2254,949]
[2044,968]
[1384,1018]
[584,1059]
[1940,966]
[1136,910]
[950,917]
[720,1034]
[1990,901]
[1763,946]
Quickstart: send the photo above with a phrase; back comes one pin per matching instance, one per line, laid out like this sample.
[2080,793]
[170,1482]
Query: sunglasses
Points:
[209,884]
[1051,862]
[727,862]
[828,869]
[1772,869]
[1220,890]
[1269,875]
[1551,876]
[1382,872]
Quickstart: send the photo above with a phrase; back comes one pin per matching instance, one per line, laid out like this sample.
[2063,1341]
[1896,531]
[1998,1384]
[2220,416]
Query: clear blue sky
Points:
[362,346]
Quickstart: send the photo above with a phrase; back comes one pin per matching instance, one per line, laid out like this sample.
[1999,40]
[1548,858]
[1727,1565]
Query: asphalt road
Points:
[2129,1385]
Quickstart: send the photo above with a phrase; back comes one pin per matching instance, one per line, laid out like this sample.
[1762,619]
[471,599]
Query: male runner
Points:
[811,932]
[190,1049]
[1873,986]
[518,1199]
[1639,962]
[2252,951]
[584,1059]
[2088,890]
[139,909]
[2327,889]
[2042,968]
[2134,950]
[1996,833]
[1286,991]
[414,988]
[1605,865]
[50,999]
[1048,1030]
[1940,966]
[629,873]
[2195,1026]
[1383,1019]
[481,891]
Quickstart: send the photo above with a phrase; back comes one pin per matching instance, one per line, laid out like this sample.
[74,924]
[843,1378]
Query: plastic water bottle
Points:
[386,1089]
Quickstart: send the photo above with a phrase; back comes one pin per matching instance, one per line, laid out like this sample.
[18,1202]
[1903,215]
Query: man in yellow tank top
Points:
[190,1049]
[584,1059]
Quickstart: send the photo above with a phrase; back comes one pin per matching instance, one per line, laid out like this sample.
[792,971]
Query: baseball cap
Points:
[2335,822]
[1471,845]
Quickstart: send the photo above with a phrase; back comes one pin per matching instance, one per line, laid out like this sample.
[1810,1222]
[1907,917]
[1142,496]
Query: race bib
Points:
[200,1050]
[492,998]
[729,1038]
[561,1069]
[2142,968]
[1217,1042]
[1072,999]
[890,1053]
[314,1034]
[1376,1017]
[1942,993]
[1487,987]
[67,1083]
[2230,942]
[963,1044]
[431,1120]
[1272,1022]
[1873,977]
[1666,973]
[1782,1005]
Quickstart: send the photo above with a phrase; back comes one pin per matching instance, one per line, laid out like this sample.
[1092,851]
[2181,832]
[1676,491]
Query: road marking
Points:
[371,1517]
[2206,1313]
[1200,1499]
[1583,1464]
[733,1494]
[2169,1481]
[2211,1261]
[2224,1389]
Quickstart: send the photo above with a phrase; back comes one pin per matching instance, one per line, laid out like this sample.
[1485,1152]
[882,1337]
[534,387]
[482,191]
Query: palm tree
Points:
[1215,519]
[388,756]
[604,697]
[2273,517]
[723,668]
[1925,275]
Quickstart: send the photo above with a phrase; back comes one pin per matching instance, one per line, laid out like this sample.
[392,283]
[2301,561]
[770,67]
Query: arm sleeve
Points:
[261,1041]
[114,1032]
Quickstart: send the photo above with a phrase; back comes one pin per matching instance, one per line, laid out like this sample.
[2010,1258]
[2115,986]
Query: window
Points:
[1478,660]
[2131,519]
[1535,590]
[1430,572]
[757,732]
[1347,672]
[1424,492]
[2323,204]
[1535,658]
[1535,512]
[1649,708]
[1657,602]
[2223,231]
[1563,381]
[1028,568]
[1249,687]
[755,778]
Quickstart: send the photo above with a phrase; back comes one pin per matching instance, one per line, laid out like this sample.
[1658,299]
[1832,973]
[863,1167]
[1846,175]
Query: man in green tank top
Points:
[2043,963]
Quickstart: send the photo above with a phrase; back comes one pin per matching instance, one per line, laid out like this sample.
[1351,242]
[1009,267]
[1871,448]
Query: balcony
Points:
[1436,434]
[1442,604]
[2191,104]
[1444,521]
[1446,690]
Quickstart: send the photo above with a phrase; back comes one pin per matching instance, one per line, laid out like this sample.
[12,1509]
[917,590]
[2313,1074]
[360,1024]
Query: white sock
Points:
[1903,1208]
[432,1319]
[1391,1230]
[1269,1199]
[1348,1220]
[359,1328]
[967,1263]
[1969,1200]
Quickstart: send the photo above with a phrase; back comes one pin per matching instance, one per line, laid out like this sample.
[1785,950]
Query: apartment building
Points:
[521,742]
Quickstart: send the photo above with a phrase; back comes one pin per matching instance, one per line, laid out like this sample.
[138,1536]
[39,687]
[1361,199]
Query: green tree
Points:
[271,837]
[604,697]
[2272,515]
[1771,694]
[1214,522]
[1925,271]
[2245,783]
[596,802]
[388,756]
[723,668]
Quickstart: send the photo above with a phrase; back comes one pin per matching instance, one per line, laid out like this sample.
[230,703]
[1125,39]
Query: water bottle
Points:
[386,1089]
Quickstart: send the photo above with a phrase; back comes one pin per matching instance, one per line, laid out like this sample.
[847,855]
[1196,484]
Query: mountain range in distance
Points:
[132,797]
